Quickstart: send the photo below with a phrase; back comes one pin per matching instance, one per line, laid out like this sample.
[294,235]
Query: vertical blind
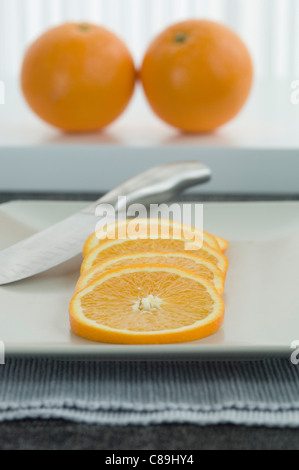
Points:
[269,27]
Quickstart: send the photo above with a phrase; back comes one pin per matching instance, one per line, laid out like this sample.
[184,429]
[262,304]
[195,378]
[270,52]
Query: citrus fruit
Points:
[197,75]
[78,77]
[147,304]
[223,243]
[112,248]
[145,227]
[191,263]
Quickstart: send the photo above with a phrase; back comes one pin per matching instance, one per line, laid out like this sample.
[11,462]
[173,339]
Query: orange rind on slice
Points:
[113,248]
[147,304]
[200,266]
[147,228]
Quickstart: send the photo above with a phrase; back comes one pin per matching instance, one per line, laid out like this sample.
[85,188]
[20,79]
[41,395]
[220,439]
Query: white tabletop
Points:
[269,120]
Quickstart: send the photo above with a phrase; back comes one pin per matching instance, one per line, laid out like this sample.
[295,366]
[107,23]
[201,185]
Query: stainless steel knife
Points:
[65,240]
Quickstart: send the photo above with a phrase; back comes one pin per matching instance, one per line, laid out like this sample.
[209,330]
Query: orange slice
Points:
[166,228]
[223,243]
[191,263]
[147,304]
[113,248]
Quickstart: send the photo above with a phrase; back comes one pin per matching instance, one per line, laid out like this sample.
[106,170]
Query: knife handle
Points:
[156,185]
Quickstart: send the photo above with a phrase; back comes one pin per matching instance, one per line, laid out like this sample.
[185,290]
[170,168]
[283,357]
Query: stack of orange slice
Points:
[162,283]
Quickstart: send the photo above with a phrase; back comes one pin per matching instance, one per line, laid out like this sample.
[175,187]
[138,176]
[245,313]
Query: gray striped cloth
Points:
[250,393]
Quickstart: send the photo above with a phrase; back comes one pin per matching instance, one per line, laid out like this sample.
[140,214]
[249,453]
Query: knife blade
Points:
[48,248]
[65,240]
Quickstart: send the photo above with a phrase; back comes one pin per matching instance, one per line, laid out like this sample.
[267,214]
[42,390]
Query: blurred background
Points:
[269,27]
[258,152]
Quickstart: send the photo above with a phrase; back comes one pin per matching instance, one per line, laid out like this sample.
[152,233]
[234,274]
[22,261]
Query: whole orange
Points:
[78,77]
[197,75]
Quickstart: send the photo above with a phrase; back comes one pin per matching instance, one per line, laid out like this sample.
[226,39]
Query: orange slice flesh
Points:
[147,304]
[113,248]
[166,229]
[191,263]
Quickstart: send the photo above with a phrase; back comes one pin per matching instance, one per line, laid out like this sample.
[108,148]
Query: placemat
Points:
[141,393]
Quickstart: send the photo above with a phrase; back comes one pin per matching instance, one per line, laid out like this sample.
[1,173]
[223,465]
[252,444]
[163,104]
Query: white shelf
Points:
[256,152]
[269,120]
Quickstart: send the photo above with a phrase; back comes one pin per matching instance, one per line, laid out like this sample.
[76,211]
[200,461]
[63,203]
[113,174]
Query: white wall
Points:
[270,27]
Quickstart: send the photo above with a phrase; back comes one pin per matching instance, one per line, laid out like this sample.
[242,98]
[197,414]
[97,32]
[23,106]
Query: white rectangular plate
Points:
[261,295]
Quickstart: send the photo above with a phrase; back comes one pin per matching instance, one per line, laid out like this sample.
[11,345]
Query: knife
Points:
[65,240]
